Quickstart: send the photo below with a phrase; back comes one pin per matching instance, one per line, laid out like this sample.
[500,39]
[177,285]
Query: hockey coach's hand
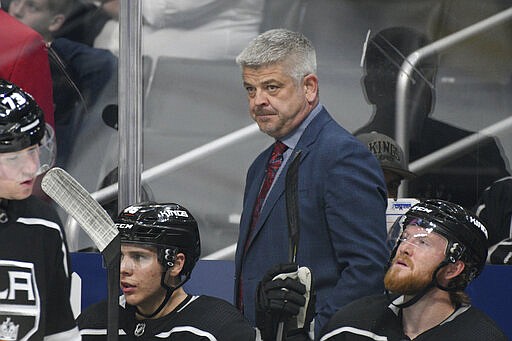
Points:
[285,295]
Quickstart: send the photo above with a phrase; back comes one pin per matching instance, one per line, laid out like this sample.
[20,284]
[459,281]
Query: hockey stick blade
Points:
[77,202]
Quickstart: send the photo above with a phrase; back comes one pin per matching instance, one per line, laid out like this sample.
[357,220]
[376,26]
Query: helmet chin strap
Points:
[169,291]
[433,284]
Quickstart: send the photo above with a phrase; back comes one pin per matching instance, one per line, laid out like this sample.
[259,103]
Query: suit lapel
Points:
[308,137]
[274,195]
[252,194]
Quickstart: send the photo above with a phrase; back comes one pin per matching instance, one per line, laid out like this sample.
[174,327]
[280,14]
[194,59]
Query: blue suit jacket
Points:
[342,204]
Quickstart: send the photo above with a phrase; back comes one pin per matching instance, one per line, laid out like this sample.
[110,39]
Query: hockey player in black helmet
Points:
[34,261]
[440,249]
[27,144]
[160,246]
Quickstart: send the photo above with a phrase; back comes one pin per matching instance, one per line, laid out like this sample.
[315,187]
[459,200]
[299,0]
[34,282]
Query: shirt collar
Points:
[293,138]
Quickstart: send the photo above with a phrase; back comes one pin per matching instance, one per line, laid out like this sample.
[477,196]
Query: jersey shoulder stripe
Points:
[68,335]
[40,221]
[356,331]
[457,313]
[98,331]
[52,225]
[192,299]
[188,329]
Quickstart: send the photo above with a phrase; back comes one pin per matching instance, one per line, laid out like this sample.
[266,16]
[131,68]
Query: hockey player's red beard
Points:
[406,281]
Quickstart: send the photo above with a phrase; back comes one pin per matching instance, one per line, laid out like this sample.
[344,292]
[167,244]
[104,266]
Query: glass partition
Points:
[192,96]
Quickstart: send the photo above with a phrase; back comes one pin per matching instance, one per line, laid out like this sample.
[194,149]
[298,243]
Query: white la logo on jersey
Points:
[9,330]
[20,304]
[19,281]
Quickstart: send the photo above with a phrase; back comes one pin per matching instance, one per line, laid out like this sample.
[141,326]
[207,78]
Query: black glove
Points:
[501,253]
[285,299]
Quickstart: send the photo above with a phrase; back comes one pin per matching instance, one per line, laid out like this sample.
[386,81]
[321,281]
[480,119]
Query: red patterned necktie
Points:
[275,161]
[270,173]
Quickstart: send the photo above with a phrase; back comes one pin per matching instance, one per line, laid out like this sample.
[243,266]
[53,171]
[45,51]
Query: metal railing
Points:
[130,101]
[198,153]
[447,153]
[408,66]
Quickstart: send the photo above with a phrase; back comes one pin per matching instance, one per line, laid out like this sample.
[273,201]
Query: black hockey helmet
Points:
[22,125]
[169,227]
[21,120]
[466,234]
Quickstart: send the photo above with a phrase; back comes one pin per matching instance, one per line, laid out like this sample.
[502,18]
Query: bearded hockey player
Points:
[34,261]
[442,248]
[159,248]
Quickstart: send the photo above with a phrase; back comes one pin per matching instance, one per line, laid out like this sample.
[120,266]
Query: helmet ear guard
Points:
[454,251]
[168,257]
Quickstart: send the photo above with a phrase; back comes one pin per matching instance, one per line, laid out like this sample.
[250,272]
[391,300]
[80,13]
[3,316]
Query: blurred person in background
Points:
[24,62]
[460,179]
[391,159]
[80,73]
[200,29]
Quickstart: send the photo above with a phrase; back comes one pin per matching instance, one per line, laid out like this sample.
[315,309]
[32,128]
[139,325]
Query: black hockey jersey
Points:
[373,318]
[196,318]
[34,274]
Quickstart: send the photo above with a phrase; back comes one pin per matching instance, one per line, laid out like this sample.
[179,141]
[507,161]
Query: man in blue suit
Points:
[341,191]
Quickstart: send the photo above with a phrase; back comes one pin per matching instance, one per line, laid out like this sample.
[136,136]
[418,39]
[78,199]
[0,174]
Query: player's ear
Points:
[56,22]
[172,273]
[452,270]
[179,263]
[310,84]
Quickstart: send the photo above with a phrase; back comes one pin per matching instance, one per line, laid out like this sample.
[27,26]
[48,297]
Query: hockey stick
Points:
[77,202]
[292,213]
[292,205]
